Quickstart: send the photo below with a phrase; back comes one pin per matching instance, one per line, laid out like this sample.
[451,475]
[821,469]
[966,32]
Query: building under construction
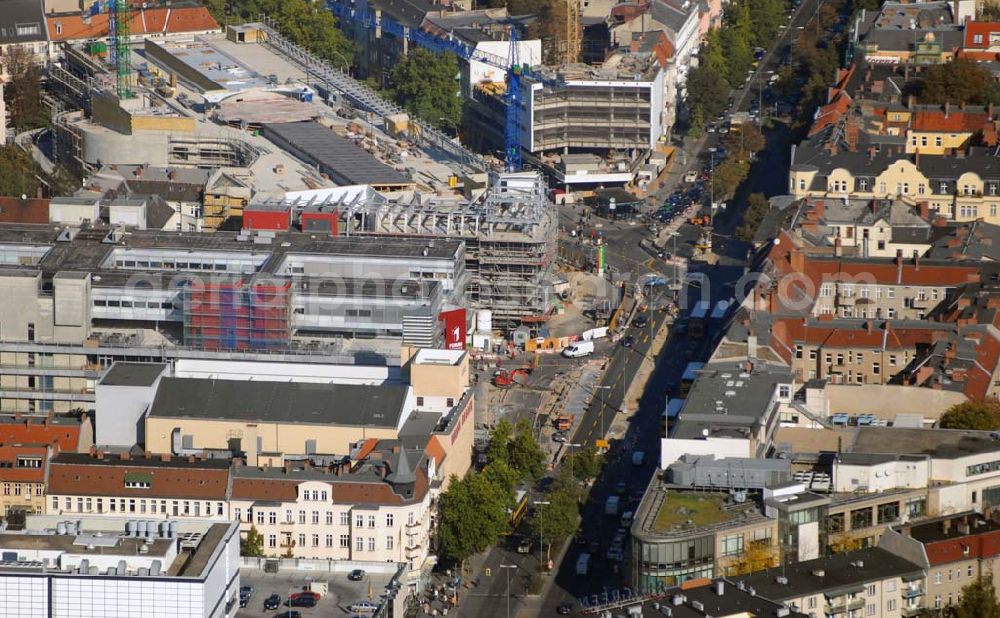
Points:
[509,234]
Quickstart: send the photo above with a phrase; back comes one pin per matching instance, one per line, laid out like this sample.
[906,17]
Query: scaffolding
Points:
[509,235]
[238,314]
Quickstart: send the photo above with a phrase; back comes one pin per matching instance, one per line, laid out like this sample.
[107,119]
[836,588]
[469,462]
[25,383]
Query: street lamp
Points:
[604,404]
[508,567]
[711,179]
[541,526]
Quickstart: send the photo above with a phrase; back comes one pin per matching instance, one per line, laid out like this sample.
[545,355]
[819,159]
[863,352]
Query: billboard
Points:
[454,329]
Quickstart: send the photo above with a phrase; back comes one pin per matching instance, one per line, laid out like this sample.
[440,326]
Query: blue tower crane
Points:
[367,18]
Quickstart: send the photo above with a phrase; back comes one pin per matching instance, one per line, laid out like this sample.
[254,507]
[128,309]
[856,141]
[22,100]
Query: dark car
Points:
[301,601]
[640,321]
[356,575]
[289,614]
[272,602]
[628,341]
[564,609]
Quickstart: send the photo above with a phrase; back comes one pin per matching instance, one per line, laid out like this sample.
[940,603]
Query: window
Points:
[906,188]
[359,544]
[345,541]
[835,523]
[371,544]
[969,573]
[371,521]
[260,517]
[450,402]
[798,351]
[937,600]
[388,520]
[812,355]
[891,313]
[876,368]
[891,605]
[872,607]
[329,518]
[315,518]
[388,542]
[920,188]
[272,517]
[732,545]
[916,507]
[826,290]
[329,540]
[238,514]
[324,495]
[272,540]
[420,401]
[302,539]
[359,521]
[315,540]
[969,210]
[861,518]
[881,188]
[302,517]
[784,391]
[345,519]
[937,579]
[977,39]
[888,512]
[862,184]
[288,516]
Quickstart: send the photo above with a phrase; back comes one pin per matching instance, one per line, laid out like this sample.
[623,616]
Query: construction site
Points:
[509,232]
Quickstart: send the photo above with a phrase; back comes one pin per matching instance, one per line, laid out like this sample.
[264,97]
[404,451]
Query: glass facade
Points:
[671,562]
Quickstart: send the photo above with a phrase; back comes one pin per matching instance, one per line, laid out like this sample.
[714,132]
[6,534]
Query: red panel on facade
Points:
[454,329]
[276,220]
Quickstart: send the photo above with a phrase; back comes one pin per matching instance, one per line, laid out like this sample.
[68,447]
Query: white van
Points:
[578,349]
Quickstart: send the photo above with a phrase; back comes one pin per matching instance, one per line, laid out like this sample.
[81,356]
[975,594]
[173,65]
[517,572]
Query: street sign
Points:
[601,443]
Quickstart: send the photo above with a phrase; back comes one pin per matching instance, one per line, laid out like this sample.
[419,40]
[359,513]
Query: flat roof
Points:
[935,530]
[834,575]
[345,162]
[133,374]
[280,402]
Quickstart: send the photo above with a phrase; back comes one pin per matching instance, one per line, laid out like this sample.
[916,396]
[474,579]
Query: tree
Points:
[960,81]
[727,177]
[18,173]
[756,556]
[980,415]
[473,513]
[990,11]
[23,91]
[424,83]
[585,464]
[757,208]
[707,91]
[305,23]
[556,520]
[526,455]
[977,600]
[745,138]
[253,544]
[498,449]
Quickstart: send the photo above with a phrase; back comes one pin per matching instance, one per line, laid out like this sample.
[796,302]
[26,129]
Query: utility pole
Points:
[541,527]
[508,567]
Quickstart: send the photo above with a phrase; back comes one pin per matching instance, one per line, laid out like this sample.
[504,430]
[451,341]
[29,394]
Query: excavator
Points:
[504,377]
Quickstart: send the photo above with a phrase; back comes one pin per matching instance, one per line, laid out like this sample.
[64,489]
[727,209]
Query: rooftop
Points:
[951,527]
[281,402]
[833,576]
[690,510]
[133,374]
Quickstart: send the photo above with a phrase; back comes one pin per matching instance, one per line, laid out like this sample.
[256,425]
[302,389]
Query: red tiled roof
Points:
[33,431]
[31,210]
[978,56]
[143,21]
[955,121]
[9,455]
[81,474]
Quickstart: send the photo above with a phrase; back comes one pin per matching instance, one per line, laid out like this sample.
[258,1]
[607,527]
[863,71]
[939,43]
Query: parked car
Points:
[628,341]
[356,575]
[301,601]
[363,606]
[564,609]
[640,321]
[272,602]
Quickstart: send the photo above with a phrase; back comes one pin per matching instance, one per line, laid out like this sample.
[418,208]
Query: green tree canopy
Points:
[745,138]
[556,520]
[473,513]
[23,90]
[18,173]
[253,544]
[978,600]
[959,81]
[757,207]
[305,23]
[425,84]
[585,464]
[526,455]
[707,91]
[498,449]
[984,416]
[727,177]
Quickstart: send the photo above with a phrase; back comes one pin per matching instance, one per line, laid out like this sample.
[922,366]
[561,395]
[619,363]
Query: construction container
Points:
[397,124]
[97,48]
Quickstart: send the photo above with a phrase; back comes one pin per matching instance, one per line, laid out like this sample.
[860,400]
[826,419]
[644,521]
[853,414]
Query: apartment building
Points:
[375,508]
[24,469]
[147,486]
[955,551]
[870,582]
[103,567]
[863,228]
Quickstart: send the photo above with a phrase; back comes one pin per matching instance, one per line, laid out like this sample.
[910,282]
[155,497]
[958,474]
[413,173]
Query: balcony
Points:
[912,593]
[843,606]
[412,550]
[909,612]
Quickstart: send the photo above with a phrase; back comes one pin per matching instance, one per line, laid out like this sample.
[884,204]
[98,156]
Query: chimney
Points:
[288,467]
[924,209]
[945,526]
[192,459]
[237,462]
[165,457]
[868,326]
[947,109]
[838,248]
[720,587]
[124,456]
[171,175]
[148,454]
[100,454]
[911,100]
[798,260]
[916,157]
[93,450]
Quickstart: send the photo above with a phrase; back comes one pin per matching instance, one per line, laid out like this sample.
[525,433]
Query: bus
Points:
[689,376]
[670,414]
[696,321]
[520,508]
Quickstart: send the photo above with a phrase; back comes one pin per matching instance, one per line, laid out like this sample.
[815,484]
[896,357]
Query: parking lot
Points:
[342,592]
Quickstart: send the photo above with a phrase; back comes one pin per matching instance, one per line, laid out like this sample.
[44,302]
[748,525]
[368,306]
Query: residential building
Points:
[142,486]
[24,469]
[869,582]
[954,551]
[374,506]
[107,566]
[22,26]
